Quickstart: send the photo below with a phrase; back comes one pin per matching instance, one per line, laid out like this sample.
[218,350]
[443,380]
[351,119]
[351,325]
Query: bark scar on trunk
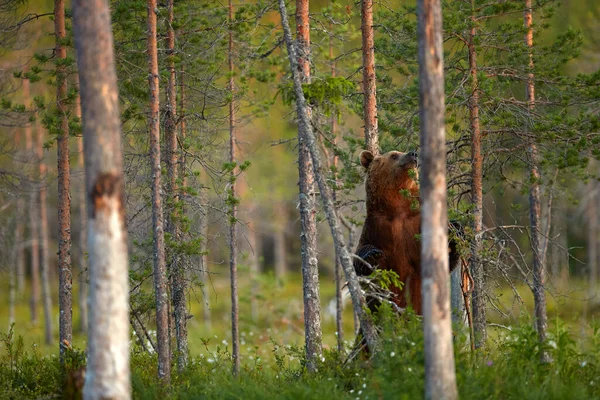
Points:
[107,185]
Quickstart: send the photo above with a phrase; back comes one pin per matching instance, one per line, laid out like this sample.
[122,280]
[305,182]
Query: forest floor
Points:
[272,354]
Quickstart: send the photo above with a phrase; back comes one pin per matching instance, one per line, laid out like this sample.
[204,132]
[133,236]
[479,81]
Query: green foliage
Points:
[326,93]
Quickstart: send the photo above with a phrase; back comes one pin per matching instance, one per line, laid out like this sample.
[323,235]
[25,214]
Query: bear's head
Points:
[392,181]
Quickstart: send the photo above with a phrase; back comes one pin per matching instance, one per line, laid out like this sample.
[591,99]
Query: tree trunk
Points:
[82,278]
[440,375]
[479,310]
[235,338]
[204,273]
[369,78]
[16,258]
[254,255]
[457,301]
[339,302]
[279,250]
[308,207]
[175,266]
[592,249]
[307,135]
[108,336]
[43,237]
[539,294]
[65,284]
[33,219]
[160,273]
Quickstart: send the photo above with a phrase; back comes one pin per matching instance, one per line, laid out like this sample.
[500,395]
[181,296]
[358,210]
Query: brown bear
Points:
[389,238]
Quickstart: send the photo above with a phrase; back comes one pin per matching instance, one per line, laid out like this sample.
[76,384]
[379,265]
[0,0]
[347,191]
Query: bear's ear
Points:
[365,158]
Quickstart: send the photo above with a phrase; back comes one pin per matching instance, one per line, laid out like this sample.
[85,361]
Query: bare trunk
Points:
[440,375]
[82,278]
[235,339]
[279,245]
[204,273]
[369,78]
[160,273]
[254,244]
[43,237]
[539,293]
[33,220]
[17,256]
[457,302]
[108,336]
[479,310]
[175,265]
[592,249]
[307,135]
[65,278]
[308,207]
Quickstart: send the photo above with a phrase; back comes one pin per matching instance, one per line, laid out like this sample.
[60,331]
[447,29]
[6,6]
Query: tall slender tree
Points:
[440,376]
[235,336]
[175,265]
[160,274]
[308,207]
[369,78]
[65,279]
[82,261]
[539,278]
[479,311]
[108,344]
[305,131]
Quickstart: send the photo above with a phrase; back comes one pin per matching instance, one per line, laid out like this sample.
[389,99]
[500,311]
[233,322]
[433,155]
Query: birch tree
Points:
[108,373]
[440,376]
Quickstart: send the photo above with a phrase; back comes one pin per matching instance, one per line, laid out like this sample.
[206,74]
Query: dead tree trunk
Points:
[440,375]
[82,278]
[308,207]
[369,78]
[479,310]
[65,278]
[160,273]
[307,135]
[539,279]
[108,336]
[175,265]
[235,338]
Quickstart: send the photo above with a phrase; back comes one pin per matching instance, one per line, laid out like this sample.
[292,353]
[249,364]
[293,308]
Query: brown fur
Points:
[393,222]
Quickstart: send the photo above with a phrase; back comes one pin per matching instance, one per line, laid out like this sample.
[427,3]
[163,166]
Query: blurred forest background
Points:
[567,56]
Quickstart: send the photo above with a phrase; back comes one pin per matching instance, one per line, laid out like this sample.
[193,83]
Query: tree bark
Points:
[204,273]
[305,130]
[235,338]
[160,273]
[175,266]
[539,278]
[369,78]
[43,236]
[82,278]
[33,218]
[65,278]
[479,310]
[440,375]
[108,335]
[308,207]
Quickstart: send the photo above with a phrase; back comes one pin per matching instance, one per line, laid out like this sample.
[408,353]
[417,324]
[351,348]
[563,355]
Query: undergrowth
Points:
[508,369]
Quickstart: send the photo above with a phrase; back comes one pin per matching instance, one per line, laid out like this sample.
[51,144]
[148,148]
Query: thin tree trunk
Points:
[369,78]
[20,215]
[592,250]
[307,135]
[339,302]
[108,336]
[14,261]
[479,310]
[254,244]
[82,278]
[204,273]
[33,220]
[178,282]
[457,301]
[279,245]
[308,207]
[160,273]
[440,375]
[43,237]
[235,339]
[539,293]
[65,278]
